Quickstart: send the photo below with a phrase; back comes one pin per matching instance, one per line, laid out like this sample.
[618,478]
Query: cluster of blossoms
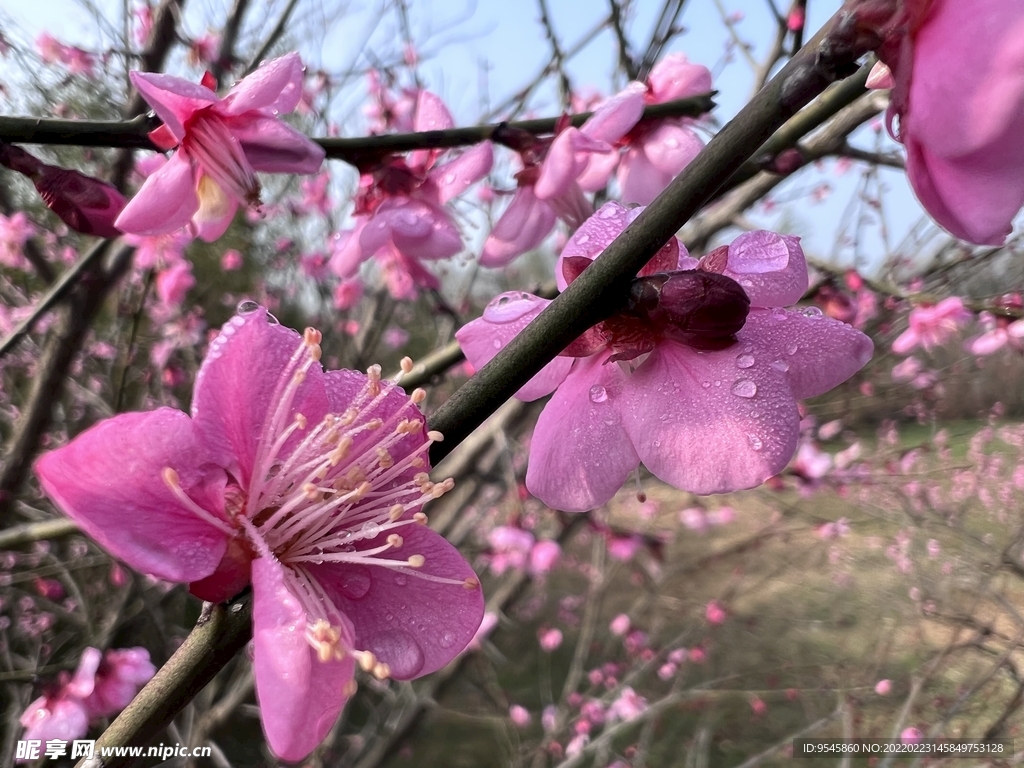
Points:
[308,485]
[103,685]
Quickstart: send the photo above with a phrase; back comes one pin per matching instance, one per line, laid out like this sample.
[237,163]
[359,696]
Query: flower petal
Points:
[417,229]
[300,697]
[455,177]
[522,227]
[175,100]
[240,385]
[109,480]
[413,625]
[816,352]
[617,115]
[166,201]
[348,253]
[703,424]
[581,454]
[502,320]
[671,147]
[276,85]
[272,146]
[771,268]
[639,181]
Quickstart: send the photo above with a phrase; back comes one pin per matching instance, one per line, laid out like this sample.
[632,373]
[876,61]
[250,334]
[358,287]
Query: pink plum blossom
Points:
[810,463]
[999,332]
[628,706]
[231,260]
[103,685]
[714,613]
[550,639]
[544,556]
[932,326]
[883,687]
[705,390]
[958,93]
[221,143]
[510,547]
[400,206]
[656,152]
[15,230]
[308,485]
[519,715]
[174,282]
[620,625]
[555,174]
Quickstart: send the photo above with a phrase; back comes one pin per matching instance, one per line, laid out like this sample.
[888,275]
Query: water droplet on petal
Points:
[272,320]
[744,388]
[583,239]
[744,361]
[598,394]
[705,384]
[446,640]
[778,314]
[401,579]
[792,348]
[370,530]
[247,307]
[780,365]
[449,178]
[509,307]
[606,212]
[813,313]
[354,581]
[755,442]
[400,651]
[497,344]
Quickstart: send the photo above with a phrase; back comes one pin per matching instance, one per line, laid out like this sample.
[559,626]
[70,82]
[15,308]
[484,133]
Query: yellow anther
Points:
[300,421]
[421,478]
[471,583]
[366,660]
[406,365]
[396,541]
[384,459]
[417,461]
[373,380]
[310,491]
[363,489]
[170,478]
[407,427]
[326,640]
[396,512]
[418,395]
[420,518]
[382,671]
[348,417]
[312,336]
[435,436]
[374,424]
[350,688]
[299,376]
[416,561]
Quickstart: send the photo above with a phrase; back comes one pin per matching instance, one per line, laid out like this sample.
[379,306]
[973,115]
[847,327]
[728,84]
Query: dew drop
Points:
[449,178]
[718,383]
[401,579]
[247,307]
[813,313]
[583,239]
[755,442]
[606,212]
[400,651]
[744,388]
[497,344]
[509,307]
[354,582]
[792,348]
[272,320]
[598,394]
[744,361]
[705,384]
[779,314]
[446,640]
[780,365]
[370,530]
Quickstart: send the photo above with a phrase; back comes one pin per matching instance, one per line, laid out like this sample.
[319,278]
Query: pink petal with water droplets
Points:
[272,146]
[300,697]
[502,320]
[455,177]
[276,85]
[109,480]
[815,352]
[413,625]
[417,229]
[239,387]
[522,227]
[674,77]
[598,170]
[639,181]
[561,166]
[348,253]
[771,268]
[581,454]
[701,423]
[670,147]
[165,203]
[175,100]
[431,115]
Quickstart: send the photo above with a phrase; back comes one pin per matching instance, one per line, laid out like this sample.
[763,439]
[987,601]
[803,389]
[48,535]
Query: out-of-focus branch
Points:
[616,22]
[602,287]
[226,55]
[660,35]
[41,531]
[273,37]
[557,55]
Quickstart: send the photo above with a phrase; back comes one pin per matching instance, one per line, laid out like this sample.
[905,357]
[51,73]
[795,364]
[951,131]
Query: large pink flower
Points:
[704,392]
[221,144]
[305,483]
[959,95]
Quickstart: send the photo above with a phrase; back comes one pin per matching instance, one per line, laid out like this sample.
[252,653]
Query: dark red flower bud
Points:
[691,303]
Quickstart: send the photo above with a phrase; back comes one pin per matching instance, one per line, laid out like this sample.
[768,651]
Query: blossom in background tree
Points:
[400,213]
[103,685]
[932,326]
[705,395]
[957,74]
[221,143]
[308,485]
